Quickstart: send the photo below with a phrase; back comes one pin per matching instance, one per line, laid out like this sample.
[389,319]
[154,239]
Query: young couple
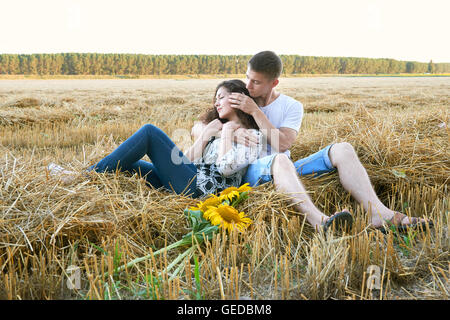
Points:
[245,138]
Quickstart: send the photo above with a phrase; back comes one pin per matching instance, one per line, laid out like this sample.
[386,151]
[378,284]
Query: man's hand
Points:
[245,137]
[243,102]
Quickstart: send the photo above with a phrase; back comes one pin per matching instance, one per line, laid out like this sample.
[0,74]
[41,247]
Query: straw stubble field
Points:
[398,127]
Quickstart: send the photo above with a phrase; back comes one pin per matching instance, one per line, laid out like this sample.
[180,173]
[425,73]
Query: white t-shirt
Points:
[285,112]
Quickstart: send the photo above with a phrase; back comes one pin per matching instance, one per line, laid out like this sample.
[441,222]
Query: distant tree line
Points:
[140,64]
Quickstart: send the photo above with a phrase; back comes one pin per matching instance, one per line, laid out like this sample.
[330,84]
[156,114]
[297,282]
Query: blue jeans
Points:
[179,176]
[260,171]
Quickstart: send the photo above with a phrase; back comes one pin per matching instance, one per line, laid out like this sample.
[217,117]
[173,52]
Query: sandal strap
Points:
[398,217]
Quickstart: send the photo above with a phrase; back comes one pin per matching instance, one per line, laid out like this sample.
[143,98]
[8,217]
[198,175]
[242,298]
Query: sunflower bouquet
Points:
[221,210]
[205,220]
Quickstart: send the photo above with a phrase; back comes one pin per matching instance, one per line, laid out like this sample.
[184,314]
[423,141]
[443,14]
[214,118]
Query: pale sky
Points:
[416,30]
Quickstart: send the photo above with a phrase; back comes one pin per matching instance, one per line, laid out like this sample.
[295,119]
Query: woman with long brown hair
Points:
[214,162]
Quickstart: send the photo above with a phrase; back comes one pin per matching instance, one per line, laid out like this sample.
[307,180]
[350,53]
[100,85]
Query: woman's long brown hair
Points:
[232,86]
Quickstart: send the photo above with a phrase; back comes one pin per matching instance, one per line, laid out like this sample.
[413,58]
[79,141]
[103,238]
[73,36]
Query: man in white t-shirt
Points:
[279,118]
[284,112]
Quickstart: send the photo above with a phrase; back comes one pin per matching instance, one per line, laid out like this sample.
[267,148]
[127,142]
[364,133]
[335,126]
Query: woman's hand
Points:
[226,141]
[213,127]
[230,126]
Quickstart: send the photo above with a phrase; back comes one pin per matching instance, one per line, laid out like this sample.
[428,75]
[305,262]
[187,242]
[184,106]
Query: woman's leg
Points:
[174,171]
[148,171]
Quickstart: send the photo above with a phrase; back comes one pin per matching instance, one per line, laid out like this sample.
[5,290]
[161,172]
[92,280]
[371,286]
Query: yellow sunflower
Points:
[227,217]
[213,200]
[231,192]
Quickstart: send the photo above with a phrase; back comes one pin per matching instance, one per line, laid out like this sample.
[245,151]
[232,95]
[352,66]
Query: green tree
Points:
[32,64]
[431,67]
[14,63]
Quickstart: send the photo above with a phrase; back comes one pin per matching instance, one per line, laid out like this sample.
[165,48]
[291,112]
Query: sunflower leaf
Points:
[242,196]
[199,225]
[195,218]
[207,230]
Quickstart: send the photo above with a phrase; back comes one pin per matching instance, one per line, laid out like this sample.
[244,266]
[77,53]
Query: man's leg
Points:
[286,180]
[280,169]
[259,171]
[354,178]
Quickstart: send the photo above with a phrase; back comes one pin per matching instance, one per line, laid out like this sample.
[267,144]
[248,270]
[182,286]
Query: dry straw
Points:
[103,221]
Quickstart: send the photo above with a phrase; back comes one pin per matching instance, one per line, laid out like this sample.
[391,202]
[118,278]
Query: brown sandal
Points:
[395,223]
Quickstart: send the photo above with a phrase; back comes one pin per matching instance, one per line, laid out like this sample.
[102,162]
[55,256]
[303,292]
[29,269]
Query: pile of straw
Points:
[100,221]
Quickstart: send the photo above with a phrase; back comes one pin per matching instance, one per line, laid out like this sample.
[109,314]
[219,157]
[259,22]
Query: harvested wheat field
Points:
[90,228]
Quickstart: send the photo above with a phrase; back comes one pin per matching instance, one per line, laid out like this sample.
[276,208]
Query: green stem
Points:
[179,258]
[148,256]
[188,253]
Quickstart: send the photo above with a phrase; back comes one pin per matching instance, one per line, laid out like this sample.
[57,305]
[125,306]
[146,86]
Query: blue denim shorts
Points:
[318,163]
[260,171]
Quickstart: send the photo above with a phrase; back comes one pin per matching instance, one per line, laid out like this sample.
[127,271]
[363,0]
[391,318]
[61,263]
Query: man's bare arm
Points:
[279,139]
[241,135]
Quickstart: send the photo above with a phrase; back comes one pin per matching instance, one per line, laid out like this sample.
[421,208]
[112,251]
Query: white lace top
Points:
[213,176]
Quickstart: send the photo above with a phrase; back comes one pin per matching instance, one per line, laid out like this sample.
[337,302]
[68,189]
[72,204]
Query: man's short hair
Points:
[268,63]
